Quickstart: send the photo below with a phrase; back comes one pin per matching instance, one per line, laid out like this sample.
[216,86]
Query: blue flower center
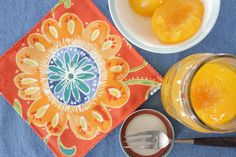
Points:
[73,76]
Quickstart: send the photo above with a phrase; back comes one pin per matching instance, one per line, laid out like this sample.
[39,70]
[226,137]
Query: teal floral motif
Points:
[65,150]
[73,76]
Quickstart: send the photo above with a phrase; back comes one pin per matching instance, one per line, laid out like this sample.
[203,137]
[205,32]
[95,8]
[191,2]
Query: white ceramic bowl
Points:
[137,29]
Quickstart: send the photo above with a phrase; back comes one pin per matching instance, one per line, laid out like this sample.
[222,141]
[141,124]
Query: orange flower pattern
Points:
[73,78]
[72,75]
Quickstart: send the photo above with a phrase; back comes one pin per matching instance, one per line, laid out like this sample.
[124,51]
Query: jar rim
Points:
[190,108]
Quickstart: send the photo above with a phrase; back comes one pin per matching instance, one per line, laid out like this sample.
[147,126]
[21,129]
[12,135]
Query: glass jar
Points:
[176,96]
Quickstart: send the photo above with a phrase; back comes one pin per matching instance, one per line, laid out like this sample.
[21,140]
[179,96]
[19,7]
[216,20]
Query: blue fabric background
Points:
[16,137]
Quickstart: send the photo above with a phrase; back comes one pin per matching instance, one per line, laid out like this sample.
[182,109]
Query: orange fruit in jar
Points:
[177,20]
[145,7]
[213,92]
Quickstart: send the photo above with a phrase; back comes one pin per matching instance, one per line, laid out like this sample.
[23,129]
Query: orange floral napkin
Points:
[73,78]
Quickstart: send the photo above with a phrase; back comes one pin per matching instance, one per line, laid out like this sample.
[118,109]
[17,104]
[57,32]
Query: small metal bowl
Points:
[144,120]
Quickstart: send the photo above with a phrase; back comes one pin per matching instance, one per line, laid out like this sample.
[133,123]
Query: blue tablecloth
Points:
[17,138]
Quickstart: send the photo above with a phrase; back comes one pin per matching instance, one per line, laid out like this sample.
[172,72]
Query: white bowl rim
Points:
[172,129]
[169,49]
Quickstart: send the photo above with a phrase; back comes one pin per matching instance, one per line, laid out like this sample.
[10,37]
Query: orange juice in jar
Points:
[200,92]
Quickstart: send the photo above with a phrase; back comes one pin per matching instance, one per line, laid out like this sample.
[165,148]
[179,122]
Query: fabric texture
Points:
[18,139]
[73,78]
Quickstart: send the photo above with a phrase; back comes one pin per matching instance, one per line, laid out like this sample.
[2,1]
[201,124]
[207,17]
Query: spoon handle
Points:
[216,141]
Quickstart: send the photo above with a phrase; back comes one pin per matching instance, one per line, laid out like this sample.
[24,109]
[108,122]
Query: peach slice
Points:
[177,20]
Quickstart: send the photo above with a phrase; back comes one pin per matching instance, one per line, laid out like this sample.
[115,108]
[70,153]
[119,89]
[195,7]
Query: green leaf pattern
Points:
[17,106]
[67,4]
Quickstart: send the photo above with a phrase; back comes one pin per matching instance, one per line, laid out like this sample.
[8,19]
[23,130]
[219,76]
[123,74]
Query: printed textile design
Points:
[72,75]
[74,78]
